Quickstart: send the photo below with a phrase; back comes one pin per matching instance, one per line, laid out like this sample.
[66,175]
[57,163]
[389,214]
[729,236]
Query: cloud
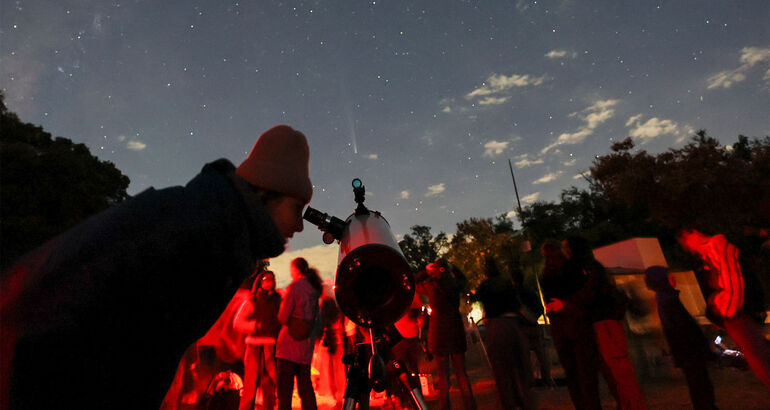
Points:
[554,54]
[447,109]
[404,194]
[633,119]
[578,176]
[494,148]
[530,198]
[570,163]
[524,161]
[497,83]
[547,178]
[750,57]
[511,214]
[372,156]
[654,127]
[493,100]
[434,190]
[134,145]
[593,116]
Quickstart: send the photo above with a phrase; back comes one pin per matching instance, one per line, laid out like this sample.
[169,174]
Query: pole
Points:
[515,188]
[516,191]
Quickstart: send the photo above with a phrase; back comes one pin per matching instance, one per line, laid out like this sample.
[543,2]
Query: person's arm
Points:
[728,300]
[287,307]
[241,322]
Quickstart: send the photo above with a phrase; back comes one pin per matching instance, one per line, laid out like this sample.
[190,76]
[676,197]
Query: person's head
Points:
[576,247]
[278,167]
[658,279]
[490,267]
[438,268]
[692,240]
[553,255]
[265,280]
[298,268]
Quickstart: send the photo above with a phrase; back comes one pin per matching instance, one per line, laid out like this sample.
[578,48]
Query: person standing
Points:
[507,346]
[117,299]
[607,309]
[685,338]
[446,332]
[531,310]
[301,326]
[726,301]
[258,319]
[567,305]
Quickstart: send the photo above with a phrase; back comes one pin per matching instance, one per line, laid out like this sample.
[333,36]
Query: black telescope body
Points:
[374,284]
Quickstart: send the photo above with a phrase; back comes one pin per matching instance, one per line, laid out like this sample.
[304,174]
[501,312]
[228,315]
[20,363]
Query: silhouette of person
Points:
[117,299]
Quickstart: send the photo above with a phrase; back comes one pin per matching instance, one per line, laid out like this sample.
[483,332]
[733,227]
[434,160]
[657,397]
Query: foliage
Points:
[478,238]
[714,188]
[47,185]
[421,248]
[703,184]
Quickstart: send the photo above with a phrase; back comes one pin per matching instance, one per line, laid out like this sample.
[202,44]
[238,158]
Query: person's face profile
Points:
[286,212]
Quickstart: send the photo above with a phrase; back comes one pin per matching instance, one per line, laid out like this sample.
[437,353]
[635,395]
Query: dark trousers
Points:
[699,384]
[458,364]
[575,344]
[747,334]
[258,372]
[287,371]
[508,352]
[536,341]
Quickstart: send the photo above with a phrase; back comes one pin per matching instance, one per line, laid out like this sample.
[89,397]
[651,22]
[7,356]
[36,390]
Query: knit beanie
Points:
[279,162]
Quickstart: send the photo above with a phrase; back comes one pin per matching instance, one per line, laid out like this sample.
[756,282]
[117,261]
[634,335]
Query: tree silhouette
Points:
[420,247]
[47,185]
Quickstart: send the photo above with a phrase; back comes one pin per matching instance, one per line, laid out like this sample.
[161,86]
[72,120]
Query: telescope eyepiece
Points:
[331,226]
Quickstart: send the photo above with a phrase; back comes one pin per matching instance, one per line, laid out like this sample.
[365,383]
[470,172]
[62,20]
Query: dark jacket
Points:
[499,296]
[99,316]
[446,332]
[266,305]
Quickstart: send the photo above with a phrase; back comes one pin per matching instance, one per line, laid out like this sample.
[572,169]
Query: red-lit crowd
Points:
[585,311]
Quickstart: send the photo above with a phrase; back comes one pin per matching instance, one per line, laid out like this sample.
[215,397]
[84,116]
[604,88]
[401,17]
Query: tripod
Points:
[367,371]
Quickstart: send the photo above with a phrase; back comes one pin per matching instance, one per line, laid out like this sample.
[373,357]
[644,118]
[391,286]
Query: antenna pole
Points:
[515,188]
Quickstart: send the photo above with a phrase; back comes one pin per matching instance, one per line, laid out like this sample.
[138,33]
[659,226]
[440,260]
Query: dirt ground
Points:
[664,387]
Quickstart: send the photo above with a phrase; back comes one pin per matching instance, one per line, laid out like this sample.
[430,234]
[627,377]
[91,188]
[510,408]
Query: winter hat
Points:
[279,162]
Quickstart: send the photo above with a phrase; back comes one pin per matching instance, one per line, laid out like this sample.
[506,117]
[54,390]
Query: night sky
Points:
[425,101]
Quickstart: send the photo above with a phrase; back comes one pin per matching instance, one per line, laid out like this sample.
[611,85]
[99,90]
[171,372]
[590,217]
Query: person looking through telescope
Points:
[116,299]
[446,332]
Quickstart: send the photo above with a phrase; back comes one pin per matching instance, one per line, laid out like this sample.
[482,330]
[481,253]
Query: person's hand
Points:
[554,305]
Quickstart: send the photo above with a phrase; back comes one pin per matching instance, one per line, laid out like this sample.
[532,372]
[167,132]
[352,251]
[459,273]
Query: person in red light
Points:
[446,331]
[725,303]
[117,299]
[258,320]
[606,308]
[295,354]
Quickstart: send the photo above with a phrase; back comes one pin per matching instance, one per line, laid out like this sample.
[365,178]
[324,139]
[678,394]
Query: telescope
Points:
[374,284]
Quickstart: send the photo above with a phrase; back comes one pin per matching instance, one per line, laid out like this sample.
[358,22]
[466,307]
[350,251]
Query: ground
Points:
[665,388]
